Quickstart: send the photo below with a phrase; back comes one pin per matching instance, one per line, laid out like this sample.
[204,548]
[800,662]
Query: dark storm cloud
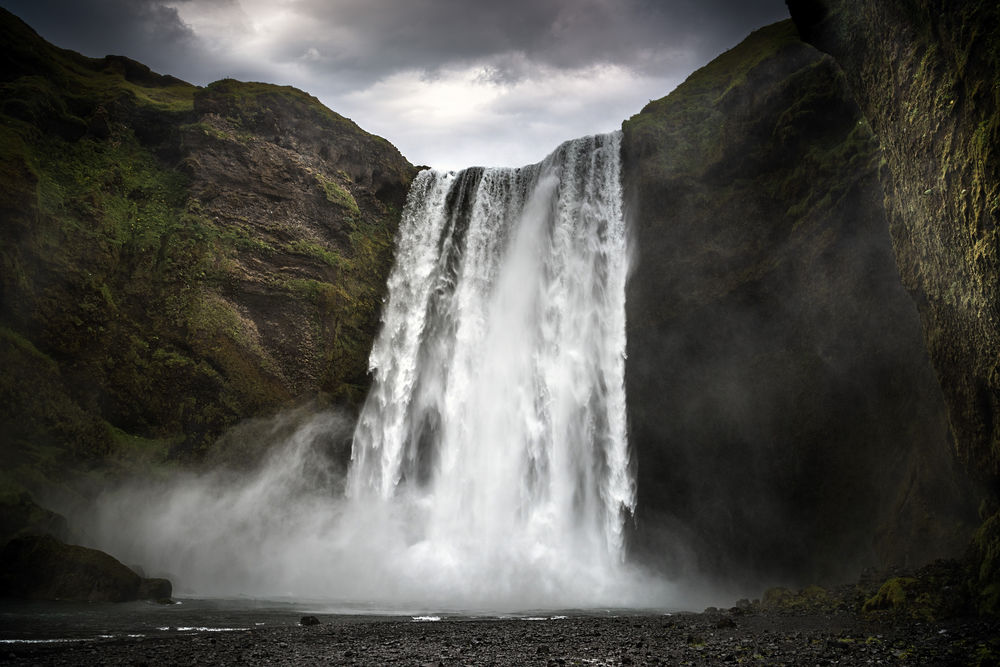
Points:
[450,82]
[145,30]
[362,38]
[428,34]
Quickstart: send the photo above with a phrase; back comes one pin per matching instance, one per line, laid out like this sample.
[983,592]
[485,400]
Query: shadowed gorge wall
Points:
[175,258]
[784,416]
[925,75]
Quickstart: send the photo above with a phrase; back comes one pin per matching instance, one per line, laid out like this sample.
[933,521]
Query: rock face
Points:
[785,418]
[175,258]
[925,75]
[40,567]
[314,201]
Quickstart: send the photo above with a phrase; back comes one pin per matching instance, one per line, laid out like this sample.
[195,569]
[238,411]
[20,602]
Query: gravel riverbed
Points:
[710,638]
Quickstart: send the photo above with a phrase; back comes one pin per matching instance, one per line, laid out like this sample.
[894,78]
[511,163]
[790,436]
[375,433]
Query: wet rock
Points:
[308,620]
[756,294]
[155,589]
[938,126]
[40,567]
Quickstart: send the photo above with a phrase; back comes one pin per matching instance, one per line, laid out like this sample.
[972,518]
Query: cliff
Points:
[924,73]
[175,258]
[785,418]
[812,338]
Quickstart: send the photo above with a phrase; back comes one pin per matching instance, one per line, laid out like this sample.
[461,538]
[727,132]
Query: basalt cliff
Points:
[925,75]
[812,318]
[785,417]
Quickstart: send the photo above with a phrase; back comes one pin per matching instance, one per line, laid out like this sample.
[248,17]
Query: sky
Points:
[451,83]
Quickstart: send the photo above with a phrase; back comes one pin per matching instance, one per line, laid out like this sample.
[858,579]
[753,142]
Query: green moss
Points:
[107,232]
[986,556]
[135,454]
[240,239]
[112,192]
[42,426]
[316,251]
[209,130]
[692,103]
[338,195]
[812,598]
[235,367]
[891,595]
[251,100]
[933,593]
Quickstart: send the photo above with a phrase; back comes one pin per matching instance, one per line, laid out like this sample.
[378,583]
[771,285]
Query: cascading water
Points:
[497,413]
[490,467]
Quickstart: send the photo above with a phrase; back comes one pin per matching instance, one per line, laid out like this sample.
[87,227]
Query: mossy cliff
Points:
[924,73]
[784,415]
[175,258]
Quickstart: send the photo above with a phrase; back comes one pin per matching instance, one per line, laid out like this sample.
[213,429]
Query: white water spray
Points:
[498,406]
[490,465]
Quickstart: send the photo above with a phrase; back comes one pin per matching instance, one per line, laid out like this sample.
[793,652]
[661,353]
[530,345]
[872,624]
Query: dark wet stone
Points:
[155,589]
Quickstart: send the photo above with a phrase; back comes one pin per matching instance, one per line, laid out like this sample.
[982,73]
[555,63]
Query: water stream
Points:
[498,409]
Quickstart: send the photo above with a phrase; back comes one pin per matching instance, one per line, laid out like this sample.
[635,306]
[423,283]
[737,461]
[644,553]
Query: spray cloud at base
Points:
[490,465]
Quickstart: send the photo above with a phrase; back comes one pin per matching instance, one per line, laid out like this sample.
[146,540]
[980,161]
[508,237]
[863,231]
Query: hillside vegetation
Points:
[175,258]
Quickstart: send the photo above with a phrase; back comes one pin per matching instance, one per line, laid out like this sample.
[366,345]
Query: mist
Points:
[283,529]
[489,467]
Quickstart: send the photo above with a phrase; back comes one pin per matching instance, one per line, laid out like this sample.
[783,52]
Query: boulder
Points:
[155,589]
[40,567]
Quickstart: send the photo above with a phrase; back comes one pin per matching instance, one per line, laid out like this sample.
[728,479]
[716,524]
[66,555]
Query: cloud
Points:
[467,115]
[145,30]
[365,39]
[447,81]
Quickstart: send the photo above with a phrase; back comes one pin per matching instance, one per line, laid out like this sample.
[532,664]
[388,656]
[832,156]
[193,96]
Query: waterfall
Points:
[497,412]
[490,466]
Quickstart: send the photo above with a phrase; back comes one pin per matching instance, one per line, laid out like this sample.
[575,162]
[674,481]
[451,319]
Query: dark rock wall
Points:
[785,419]
[925,73]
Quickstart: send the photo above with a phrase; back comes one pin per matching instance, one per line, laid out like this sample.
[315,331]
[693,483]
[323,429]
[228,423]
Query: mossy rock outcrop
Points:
[174,259]
[785,419]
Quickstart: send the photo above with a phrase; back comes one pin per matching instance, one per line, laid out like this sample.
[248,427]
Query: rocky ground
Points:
[736,636]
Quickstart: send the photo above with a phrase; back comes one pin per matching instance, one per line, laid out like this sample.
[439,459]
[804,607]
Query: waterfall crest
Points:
[497,412]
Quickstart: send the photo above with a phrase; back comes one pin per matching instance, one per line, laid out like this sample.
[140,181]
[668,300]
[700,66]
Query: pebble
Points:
[758,638]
